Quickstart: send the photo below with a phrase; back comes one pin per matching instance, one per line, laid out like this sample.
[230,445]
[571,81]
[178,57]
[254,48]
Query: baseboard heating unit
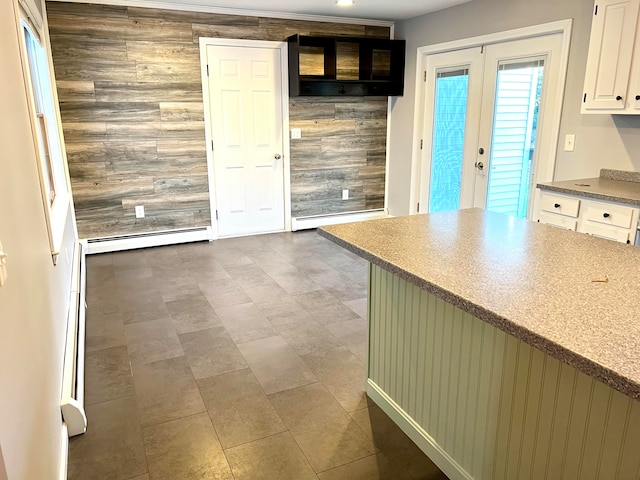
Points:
[315,221]
[150,239]
[72,401]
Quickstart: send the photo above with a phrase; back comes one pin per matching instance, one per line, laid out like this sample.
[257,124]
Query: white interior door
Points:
[484,126]
[246,119]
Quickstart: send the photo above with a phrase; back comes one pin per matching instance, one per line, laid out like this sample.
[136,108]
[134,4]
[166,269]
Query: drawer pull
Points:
[606,215]
[618,98]
[556,205]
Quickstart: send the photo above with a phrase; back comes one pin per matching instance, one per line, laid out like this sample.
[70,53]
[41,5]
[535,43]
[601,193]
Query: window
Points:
[47,136]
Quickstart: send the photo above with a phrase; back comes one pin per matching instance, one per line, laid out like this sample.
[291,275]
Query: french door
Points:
[484,125]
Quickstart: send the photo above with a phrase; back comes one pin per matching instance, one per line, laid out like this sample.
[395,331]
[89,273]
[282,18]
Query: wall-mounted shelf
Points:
[349,66]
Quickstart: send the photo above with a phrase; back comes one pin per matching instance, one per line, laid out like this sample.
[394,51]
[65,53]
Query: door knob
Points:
[277,156]
[481,151]
[479,165]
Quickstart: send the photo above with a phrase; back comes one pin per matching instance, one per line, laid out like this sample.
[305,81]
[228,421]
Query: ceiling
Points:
[369,9]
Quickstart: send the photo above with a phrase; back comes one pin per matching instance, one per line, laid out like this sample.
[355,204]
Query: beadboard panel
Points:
[132,111]
[497,407]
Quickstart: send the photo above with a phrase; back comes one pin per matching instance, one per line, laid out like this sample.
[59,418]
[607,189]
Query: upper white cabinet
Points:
[612,79]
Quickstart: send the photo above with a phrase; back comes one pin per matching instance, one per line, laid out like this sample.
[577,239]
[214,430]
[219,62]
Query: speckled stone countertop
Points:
[530,280]
[611,185]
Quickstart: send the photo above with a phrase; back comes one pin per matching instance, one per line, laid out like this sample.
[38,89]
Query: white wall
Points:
[33,302]
[602,141]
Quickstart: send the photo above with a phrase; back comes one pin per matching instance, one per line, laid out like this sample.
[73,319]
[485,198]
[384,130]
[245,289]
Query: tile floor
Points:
[237,359]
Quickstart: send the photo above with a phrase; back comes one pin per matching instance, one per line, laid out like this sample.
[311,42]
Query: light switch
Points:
[296,133]
[345,194]
[569,142]
[139,211]
[3,266]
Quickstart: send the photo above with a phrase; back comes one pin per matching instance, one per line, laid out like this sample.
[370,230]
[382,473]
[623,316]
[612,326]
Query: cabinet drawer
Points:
[560,204]
[616,215]
[567,223]
[605,231]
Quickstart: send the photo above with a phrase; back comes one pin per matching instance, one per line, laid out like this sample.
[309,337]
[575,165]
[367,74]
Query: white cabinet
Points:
[594,217]
[612,78]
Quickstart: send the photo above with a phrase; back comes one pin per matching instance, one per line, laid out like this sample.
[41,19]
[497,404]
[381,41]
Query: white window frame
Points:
[46,127]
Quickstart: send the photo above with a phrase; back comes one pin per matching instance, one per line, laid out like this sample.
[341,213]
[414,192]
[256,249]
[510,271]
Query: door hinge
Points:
[216,214]
[207,70]
[584,99]
[425,76]
[418,207]
[212,145]
[420,144]
[596,12]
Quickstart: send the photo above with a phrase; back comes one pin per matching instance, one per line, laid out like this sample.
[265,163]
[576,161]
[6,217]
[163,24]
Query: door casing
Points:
[208,121]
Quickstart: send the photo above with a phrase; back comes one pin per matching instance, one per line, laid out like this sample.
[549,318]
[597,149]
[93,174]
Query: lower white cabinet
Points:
[613,221]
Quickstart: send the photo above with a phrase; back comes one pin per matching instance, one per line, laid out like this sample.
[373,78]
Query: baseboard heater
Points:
[315,221]
[150,239]
[72,401]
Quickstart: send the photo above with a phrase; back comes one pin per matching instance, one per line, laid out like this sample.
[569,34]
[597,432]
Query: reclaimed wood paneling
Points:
[131,100]
[75,91]
[344,147]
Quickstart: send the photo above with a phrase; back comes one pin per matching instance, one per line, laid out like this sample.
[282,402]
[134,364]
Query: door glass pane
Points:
[515,120]
[449,117]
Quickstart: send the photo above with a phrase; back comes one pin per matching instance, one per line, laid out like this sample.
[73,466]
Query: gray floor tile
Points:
[192,313]
[276,366]
[245,323]
[239,408]
[342,373]
[166,390]
[112,445]
[295,282]
[277,457]
[103,330]
[321,427]
[211,352]
[308,338]
[260,320]
[185,449]
[152,340]
[359,306]
[107,375]
[224,293]
[373,467]
[142,307]
[335,313]
[402,453]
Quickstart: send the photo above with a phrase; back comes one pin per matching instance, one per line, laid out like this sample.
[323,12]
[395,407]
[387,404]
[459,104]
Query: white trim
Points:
[304,223]
[72,397]
[562,26]
[390,101]
[64,451]
[186,7]
[152,239]
[416,433]
[208,121]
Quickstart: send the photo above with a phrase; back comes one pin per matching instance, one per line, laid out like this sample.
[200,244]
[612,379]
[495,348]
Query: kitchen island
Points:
[504,348]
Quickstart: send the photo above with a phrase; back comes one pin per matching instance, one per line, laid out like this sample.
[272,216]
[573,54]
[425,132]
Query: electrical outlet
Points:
[569,142]
[139,211]
[345,194]
[296,133]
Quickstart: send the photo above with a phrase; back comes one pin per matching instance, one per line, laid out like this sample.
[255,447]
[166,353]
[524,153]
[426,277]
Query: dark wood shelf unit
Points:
[380,66]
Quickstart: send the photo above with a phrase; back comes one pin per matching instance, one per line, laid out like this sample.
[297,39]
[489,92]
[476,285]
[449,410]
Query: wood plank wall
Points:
[131,103]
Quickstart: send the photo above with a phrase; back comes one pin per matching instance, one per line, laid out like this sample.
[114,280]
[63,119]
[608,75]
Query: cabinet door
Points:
[613,32]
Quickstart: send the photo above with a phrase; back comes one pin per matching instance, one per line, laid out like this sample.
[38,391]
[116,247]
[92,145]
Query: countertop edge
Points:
[585,365]
[588,194]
